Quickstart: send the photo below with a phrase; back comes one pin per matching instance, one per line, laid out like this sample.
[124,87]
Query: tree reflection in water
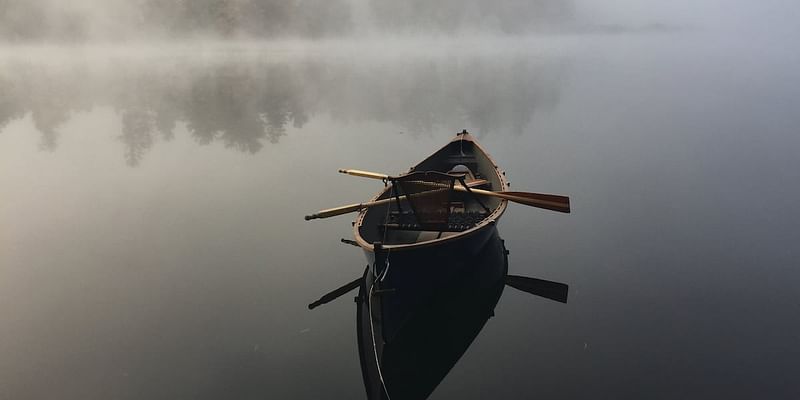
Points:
[243,105]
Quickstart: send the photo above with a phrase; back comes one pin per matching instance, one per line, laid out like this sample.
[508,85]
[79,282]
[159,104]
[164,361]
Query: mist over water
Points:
[155,165]
[245,102]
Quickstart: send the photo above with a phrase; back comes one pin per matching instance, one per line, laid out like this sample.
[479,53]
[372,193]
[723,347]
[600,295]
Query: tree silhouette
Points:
[221,106]
[281,102]
[137,134]
[243,105]
[10,105]
[52,96]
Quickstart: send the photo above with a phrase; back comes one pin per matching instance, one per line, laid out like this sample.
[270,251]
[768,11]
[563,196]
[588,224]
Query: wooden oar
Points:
[540,200]
[332,212]
[539,287]
[335,294]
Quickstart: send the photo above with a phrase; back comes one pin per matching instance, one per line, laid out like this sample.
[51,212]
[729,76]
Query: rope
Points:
[379,278]
[372,326]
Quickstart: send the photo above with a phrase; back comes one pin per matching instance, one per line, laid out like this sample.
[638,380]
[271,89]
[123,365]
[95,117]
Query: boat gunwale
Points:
[489,221]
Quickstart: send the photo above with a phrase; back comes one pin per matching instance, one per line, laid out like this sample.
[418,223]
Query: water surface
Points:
[152,245]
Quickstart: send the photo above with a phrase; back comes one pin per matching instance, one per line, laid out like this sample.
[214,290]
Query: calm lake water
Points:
[152,244]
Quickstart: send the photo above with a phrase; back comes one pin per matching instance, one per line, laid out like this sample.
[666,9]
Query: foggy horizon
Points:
[32,22]
[118,21]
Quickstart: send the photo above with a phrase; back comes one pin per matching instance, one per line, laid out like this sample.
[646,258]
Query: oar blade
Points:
[551,202]
[335,294]
[555,198]
[539,287]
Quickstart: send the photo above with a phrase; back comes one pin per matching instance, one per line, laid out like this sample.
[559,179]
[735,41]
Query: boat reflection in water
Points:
[406,351]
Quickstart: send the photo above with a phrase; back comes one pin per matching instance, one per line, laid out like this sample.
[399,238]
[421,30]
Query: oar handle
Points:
[365,174]
[331,212]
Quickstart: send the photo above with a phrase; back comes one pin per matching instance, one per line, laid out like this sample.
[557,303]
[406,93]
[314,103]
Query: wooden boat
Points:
[471,218]
[394,247]
[427,232]
[450,201]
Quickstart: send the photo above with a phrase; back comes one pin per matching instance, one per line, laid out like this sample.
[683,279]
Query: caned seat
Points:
[425,202]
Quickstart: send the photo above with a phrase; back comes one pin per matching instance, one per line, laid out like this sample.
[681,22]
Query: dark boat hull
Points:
[414,277]
[412,273]
[409,344]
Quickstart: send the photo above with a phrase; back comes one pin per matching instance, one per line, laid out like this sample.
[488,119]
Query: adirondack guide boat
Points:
[450,200]
[424,230]
[435,208]
[444,209]
[446,206]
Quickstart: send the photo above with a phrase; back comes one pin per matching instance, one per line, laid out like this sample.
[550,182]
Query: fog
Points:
[156,158]
[36,21]
[25,20]
[739,15]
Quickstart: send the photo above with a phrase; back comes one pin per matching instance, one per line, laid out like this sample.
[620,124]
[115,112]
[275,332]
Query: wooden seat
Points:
[457,221]
[427,197]
[424,202]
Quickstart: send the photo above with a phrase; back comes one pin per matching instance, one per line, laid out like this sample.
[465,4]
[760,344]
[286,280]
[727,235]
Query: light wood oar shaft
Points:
[512,197]
[547,201]
[375,175]
[332,212]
